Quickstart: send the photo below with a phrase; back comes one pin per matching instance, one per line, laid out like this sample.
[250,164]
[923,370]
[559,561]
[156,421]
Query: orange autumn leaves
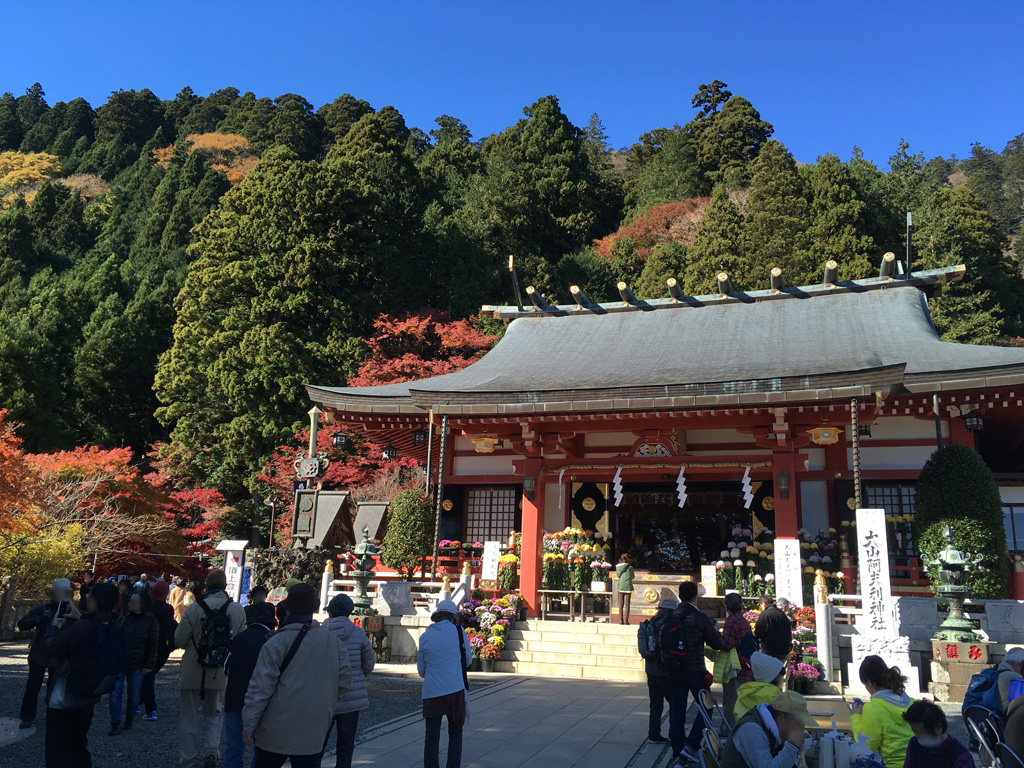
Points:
[228,152]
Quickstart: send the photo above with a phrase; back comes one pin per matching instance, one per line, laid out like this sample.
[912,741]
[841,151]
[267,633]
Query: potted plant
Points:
[489,654]
[507,567]
[804,676]
[476,642]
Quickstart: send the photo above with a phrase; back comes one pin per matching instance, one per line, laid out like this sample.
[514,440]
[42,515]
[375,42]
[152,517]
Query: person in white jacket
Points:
[442,660]
[303,670]
[362,659]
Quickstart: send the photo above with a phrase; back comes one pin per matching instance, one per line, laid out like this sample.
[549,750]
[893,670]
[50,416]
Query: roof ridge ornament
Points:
[888,268]
[831,274]
[724,284]
[538,300]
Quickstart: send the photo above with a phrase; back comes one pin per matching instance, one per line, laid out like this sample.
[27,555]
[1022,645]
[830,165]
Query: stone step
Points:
[575,671]
[572,659]
[576,627]
[570,638]
[580,649]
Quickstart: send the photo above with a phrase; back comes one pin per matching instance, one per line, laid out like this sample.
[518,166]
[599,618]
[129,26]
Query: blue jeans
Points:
[679,686]
[234,748]
[133,681]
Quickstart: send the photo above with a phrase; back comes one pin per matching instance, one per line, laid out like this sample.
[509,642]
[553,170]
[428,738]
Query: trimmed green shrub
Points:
[956,488]
[410,532]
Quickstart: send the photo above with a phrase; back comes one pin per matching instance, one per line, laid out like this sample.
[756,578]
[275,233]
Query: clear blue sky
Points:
[826,74]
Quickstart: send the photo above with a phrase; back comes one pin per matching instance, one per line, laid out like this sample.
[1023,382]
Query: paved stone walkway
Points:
[528,723]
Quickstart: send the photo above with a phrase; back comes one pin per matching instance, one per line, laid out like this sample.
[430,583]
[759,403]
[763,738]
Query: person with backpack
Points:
[165,646]
[932,746]
[40,618]
[442,659]
[681,642]
[142,636]
[89,652]
[769,735]
[245,652]
[302,672]
[774,629]
[657,676]
[362,660]
[736,635]
[205,632]
[880,718]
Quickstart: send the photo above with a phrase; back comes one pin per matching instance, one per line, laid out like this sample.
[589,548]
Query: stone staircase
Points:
[572,649]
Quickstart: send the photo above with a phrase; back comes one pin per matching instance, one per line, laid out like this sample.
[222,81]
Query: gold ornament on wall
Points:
[651,595]
[589,504]
[768,503]
[447,505]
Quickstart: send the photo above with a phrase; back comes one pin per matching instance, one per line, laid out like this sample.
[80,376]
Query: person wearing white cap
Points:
[769,672]
[443,657]
[39,619]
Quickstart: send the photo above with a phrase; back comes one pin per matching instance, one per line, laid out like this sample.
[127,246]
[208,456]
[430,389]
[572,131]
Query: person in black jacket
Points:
[71,643]
[774,629]
[39,619]
[165,645]
[142,634]
[245,652]
[698,630]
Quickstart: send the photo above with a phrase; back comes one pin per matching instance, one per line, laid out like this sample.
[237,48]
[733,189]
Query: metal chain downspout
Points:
[855,429]
[440,490]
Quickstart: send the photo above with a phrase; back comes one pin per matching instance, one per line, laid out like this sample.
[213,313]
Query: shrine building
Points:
[803,386]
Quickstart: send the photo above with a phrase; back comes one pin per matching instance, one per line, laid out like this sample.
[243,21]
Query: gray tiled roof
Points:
[850,341]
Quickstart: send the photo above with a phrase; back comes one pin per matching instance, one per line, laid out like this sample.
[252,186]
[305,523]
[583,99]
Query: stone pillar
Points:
[823,624]
[787,521]
[530,573]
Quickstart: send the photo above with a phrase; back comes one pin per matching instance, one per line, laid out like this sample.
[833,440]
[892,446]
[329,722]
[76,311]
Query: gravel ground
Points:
[394,692]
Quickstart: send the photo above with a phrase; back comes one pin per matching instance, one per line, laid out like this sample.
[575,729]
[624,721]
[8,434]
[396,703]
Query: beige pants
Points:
[200,722]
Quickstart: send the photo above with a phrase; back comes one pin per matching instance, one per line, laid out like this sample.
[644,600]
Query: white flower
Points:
[724,553]
[738,563]
[770,577]
[731,544]
[734,552]
[751,564]
[758,577]
[767,532]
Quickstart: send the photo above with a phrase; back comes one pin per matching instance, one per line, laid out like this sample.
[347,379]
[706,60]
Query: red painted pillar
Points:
[530,574]
[959,434]
[786,516]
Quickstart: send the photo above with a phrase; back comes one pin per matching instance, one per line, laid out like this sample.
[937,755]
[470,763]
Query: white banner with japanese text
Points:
[873,562]
[788,571]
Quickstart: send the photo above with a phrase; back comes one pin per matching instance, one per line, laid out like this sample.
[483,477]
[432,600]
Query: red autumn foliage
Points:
[17,480]
[418,346]
[671,222]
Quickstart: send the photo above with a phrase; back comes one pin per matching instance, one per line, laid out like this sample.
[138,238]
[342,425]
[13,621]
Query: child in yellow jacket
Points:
[881,718]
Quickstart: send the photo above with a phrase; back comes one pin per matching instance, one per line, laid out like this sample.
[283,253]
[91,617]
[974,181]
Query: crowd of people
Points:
[267,676]
[766,723]
[275,678]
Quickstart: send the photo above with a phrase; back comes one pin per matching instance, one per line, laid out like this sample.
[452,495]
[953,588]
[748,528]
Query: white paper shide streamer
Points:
[617,486]
[681,486]
[748,489]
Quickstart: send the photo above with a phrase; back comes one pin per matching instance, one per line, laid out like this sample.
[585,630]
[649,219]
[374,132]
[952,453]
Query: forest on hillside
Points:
[173,271]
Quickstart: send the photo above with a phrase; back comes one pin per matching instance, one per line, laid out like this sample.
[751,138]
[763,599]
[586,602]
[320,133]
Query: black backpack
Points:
[95,673]
[214,646]
[673,652]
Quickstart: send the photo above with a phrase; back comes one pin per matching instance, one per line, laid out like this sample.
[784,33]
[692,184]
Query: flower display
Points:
[490,652]
[497,641]
[805,671]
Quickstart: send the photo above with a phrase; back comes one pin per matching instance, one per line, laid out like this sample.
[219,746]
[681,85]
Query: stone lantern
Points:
[364,552]
[952,566]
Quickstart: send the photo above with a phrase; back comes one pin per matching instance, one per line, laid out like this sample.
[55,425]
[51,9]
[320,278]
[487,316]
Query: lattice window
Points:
[490,513]
[897,499]
[1013,520]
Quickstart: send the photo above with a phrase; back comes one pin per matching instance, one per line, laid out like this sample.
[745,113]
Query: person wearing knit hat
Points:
[201,708]
[39,619]
[361,659]
[769,672]
[166,623]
